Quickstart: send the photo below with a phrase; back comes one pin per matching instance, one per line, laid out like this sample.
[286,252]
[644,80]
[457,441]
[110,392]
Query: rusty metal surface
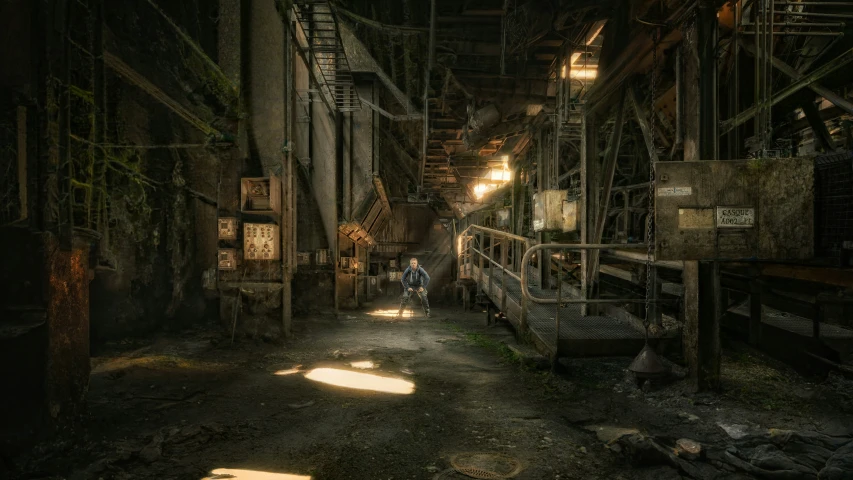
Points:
[548,210]
[67,376]
[762,209]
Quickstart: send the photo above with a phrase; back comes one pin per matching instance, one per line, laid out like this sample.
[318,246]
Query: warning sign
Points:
[735,217]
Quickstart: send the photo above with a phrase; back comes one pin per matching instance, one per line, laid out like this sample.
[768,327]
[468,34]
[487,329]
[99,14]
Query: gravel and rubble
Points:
[180,407]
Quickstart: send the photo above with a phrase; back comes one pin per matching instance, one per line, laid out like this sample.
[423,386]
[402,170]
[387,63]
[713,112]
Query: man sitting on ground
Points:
[415,279]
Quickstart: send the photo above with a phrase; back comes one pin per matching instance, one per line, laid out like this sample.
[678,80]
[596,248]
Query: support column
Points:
[505,243]
[587,156]
[702,291]
[541,237]
[755,310]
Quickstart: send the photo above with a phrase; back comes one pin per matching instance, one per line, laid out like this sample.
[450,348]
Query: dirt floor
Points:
[185,406]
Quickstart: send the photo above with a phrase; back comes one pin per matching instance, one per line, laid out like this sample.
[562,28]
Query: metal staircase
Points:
[322,44]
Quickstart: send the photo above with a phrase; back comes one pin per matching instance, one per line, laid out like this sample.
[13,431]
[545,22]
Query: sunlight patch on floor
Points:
[236,474]
[360,381]
[153,362]
[391,313]
[289,371]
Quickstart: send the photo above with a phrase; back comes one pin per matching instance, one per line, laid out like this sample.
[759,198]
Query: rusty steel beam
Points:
[803,82]
[819,89]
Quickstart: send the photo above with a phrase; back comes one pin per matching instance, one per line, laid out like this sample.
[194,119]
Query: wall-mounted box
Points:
[261,241]
[322,257]
[735,209]
[570,216]
[503,218]
[227,258]
[227,228]
[303,258]
[393,263]
[548,210]
[349,263]
[261,195]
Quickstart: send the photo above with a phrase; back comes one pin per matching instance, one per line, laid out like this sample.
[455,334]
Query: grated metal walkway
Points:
[579,335]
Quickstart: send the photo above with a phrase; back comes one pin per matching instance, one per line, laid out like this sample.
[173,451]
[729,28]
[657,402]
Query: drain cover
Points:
[486,466]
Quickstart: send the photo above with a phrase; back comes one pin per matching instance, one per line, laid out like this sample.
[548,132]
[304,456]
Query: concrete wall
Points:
[361,128]
[265,84]
[313,285]
[325,174]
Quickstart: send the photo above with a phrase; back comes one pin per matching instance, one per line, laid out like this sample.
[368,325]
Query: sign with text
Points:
[735,217]
[674,191]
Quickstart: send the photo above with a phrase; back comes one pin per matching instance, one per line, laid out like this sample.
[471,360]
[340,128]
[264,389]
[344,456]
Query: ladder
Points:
[323,42]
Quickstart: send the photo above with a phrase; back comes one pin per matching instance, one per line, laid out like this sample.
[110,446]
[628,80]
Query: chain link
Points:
[651,213]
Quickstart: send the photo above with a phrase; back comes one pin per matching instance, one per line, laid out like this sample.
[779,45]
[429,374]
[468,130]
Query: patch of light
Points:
[584,73]
[366,364]
[501,175]
[391,313]
[483,188]
[288,372]
[236,474]
[360,381]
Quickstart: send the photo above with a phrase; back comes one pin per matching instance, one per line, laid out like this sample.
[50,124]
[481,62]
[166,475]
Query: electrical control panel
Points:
[227,228]
[227,258]
[759,209]
[503,218]
[349,263]
[261,241]
[322,256]
[548,210]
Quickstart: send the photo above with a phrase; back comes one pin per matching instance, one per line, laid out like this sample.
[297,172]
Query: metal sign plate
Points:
[735,217]
[674,191]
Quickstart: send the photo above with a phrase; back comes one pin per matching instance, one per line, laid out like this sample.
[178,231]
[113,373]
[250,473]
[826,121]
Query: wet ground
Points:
[188,406]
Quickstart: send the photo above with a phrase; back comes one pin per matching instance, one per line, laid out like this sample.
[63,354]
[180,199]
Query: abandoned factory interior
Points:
[426,239]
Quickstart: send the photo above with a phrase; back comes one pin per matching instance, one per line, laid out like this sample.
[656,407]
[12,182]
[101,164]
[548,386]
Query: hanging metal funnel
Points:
[648,364]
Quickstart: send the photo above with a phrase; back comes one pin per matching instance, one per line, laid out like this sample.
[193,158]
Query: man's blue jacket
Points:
[418,278]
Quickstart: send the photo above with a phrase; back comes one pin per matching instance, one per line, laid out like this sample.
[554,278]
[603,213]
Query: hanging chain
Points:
[651,213]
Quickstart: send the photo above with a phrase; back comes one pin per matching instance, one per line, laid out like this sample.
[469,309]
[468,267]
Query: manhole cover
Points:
[487,466]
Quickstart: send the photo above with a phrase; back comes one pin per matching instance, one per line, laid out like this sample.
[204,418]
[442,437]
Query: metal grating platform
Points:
[579,335]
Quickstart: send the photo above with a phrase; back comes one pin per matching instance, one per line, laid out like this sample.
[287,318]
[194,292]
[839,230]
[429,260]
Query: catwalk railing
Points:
[500,264]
